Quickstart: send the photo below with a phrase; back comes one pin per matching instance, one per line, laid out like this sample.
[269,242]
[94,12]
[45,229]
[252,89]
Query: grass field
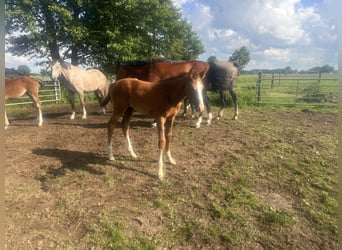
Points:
[266,181]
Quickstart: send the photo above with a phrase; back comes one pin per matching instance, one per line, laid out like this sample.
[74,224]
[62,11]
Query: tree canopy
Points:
[241,56]
[99,32]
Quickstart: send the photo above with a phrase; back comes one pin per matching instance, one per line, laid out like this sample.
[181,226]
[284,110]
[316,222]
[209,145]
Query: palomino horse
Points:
[155,70]
[15,88]
[221,77]
[77,80]
[161,99]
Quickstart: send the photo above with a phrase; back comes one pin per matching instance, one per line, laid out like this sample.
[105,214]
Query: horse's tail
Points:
[105,101]
[41,84]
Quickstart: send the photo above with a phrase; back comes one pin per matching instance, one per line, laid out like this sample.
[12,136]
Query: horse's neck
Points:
[176,89]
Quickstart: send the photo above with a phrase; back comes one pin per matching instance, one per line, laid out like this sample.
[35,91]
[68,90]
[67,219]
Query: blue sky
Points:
[295,33]
[298,33]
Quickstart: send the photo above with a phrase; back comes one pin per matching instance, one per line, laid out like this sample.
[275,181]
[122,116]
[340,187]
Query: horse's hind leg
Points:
[236,108]
[38,106]
[100,97]
[110,129]
[125,129]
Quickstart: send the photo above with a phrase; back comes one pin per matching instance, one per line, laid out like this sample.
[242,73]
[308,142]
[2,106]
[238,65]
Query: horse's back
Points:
[222,74]
[19,86]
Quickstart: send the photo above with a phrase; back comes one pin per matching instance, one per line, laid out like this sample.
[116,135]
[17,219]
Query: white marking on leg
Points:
[102,110]
[210,117]
[84,116]
[198,123]
[161,173]
[170,158]
[110,152]
[220,114]
[72,117]
[130,148]
[40,119]
[200,98]
[236,114]
[6,121]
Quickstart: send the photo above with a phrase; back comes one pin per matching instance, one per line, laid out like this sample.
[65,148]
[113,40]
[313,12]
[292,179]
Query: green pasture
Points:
[284,89]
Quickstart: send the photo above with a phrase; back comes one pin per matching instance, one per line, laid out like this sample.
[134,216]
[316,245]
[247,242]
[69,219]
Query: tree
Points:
[241,56]
[23,70]
[99,32]
[212,59]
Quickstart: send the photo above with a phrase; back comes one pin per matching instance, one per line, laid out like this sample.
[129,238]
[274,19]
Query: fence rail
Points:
[298,90]
[50,92]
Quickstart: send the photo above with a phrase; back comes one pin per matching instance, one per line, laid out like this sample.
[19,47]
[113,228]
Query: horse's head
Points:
[195,93]
[56,70]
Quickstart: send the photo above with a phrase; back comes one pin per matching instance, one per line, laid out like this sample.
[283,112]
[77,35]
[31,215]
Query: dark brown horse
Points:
[153,71]
[162,99]
[15,88]
[220,78]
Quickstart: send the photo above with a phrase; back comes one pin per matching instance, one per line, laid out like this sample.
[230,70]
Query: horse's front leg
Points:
[168,132]
[6,120]
[84,115]
[125,129]
[207,104]
[161,145]
[71,95]
[223,103]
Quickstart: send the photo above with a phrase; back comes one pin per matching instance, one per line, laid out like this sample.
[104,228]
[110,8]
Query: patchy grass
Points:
[267,181]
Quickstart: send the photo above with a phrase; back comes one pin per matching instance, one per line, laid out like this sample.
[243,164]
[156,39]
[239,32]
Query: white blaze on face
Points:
[199,92]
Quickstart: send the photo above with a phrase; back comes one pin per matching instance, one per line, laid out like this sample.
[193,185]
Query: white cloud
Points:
[277,33]
[15,61]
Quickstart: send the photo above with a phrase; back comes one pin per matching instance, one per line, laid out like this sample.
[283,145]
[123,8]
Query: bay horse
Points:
[17,87]
[155,70]
[220,78]
[77,80]
[161,99]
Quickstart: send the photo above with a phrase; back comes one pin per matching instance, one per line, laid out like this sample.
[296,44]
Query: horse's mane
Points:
[65,64]
[141,62]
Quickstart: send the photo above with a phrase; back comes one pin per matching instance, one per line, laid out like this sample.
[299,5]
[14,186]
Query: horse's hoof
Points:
[111,158]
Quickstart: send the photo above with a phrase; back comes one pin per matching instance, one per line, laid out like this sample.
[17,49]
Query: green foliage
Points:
[23,70]
[100,32]
[212,59]
[241,56]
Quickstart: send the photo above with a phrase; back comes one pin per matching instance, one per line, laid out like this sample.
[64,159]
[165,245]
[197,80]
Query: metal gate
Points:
[297,89]
[50,92]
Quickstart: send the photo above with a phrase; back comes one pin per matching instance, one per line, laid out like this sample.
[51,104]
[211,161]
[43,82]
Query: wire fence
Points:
[49,92]
[297,89]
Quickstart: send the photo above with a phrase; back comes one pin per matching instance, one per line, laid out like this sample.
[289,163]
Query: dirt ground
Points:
[60,185]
